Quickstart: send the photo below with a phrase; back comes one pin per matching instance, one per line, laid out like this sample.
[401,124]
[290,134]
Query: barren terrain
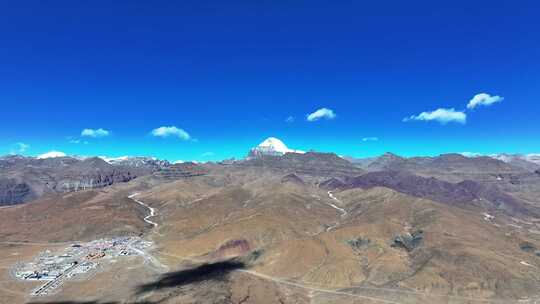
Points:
[252,234]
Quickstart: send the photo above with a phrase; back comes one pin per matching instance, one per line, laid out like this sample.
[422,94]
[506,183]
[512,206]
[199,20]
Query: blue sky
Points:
[230,73]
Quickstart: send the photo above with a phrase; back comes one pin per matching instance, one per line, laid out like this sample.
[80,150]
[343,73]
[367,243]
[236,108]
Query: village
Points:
[76,262]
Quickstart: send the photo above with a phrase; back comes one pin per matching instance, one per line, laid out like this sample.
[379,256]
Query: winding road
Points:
[321,289]
[312,288]
[343,211]
[152,210]
[287,282]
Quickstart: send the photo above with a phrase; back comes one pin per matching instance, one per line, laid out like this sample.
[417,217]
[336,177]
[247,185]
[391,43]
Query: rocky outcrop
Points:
[408,241]
[529,247]
[14,192]
[358,243]
[292,178]
[75,183]
[332,183]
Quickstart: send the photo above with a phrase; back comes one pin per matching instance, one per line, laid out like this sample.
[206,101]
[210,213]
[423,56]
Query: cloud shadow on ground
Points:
[200,273]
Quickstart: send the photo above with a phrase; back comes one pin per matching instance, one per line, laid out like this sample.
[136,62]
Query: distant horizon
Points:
[173,160]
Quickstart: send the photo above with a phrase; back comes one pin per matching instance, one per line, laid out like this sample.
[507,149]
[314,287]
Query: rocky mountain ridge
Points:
[465,194]
[309,163]
[498,163]
[140,162]
[526,161]
[25,178]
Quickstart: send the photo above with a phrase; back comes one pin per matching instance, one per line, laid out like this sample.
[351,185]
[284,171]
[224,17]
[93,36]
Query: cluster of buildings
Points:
[76,261]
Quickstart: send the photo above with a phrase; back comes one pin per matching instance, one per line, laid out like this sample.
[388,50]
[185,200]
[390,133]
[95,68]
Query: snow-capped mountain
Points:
[534,158]
[52,154]
[137,162]
[518,158]
[271,146]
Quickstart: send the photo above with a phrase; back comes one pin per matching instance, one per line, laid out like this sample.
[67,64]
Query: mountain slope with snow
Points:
[526,161]
[52,154]
[271,146]
[137,162]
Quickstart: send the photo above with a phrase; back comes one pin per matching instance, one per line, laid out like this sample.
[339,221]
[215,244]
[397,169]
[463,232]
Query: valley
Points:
[278,230]
[151,211]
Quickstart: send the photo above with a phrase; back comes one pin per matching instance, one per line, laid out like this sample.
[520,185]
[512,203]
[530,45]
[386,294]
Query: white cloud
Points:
[18,148]
[370,138]
[171,131]
[95,132]
[441,115]
[483,99]
[207,154]
[321,113]
[52,154]
[78,141]
[21,147]
[289,119]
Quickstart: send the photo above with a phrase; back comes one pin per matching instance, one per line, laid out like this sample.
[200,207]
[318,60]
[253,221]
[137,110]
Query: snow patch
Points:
[52,154]
[531,157]
[111,160]
[488,217]
[526,264]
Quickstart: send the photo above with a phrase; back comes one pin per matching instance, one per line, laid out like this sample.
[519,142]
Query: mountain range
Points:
[25,178]
[298,227]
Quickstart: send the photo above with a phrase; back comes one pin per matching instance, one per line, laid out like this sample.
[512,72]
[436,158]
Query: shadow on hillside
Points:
[204,272]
